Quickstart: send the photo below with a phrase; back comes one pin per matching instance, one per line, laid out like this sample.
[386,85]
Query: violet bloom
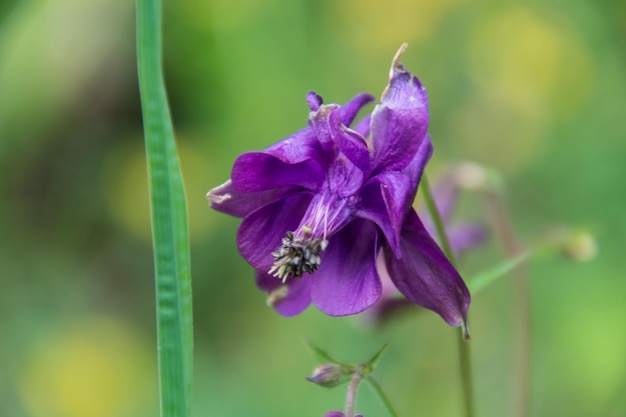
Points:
[339,414]
[323,205]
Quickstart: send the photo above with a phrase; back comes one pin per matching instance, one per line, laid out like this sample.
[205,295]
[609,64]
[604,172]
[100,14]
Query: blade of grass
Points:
[382,397]
[169,221]
[477,283]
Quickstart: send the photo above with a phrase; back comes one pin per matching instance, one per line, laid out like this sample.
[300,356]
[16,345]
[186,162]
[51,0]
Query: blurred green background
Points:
[536,90]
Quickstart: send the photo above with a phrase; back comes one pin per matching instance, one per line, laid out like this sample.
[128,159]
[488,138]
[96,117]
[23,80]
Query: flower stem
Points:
[464,348]
[352,390]
[381,395]
[169,222]
[521,305]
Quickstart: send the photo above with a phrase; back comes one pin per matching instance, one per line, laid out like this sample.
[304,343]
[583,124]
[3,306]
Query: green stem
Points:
[464,348]
[521,306]
[169,221]
[381,395]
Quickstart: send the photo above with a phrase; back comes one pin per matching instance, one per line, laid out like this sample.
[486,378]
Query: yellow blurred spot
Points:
[126,187]
[383,25]
[526,59]
[94,368]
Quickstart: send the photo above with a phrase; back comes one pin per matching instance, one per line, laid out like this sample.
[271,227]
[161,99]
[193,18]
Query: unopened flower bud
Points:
[329,375]
[580,246]
[471,176]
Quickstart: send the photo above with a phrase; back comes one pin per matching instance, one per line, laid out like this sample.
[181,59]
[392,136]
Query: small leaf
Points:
[371,364]
[322,355]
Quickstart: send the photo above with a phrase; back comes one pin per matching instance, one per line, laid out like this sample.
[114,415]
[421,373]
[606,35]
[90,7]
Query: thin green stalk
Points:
[464,349]
[373,383]
[169,221]
[521,306]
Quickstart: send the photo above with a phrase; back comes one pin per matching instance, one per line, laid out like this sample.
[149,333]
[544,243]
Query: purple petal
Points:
[425,276]
[331,132]
[314,100]
[387,197]
[354,147]
[288,299]
[363,126]
[344,178]
[324,126]
[390,301]
[338,414]
[400,122]
[226,199]
[347,281]
[373,207]
[352,107]
[260,171]
[261,232]
[347,171]
[300,146]
[464,236]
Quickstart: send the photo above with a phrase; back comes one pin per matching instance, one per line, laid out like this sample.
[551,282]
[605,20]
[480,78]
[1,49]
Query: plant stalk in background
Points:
[464,350]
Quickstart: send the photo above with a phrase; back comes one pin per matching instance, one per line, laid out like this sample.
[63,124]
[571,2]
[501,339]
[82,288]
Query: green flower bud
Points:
[330,375]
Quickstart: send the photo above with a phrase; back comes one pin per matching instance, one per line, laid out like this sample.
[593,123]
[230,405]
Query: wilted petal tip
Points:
[466,332]
[215,197]
[396,65]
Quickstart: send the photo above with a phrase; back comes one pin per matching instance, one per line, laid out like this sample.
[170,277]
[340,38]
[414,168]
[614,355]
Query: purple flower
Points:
[339,414]
[327,210]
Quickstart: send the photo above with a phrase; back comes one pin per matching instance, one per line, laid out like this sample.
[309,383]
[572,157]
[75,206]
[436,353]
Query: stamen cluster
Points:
[297,255]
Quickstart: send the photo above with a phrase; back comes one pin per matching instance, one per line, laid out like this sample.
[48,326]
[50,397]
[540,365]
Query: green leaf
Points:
[371,364]
[169,221]
[322,355]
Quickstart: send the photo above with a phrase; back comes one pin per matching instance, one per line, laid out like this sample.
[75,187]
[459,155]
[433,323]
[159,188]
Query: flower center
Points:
[297,255]
[300,250]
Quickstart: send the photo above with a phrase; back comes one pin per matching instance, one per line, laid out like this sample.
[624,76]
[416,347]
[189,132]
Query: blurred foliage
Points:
[534,89]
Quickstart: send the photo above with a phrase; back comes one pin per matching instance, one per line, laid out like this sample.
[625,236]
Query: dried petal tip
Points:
[466,333]
[276,296]
[395,62]
[216,197]
[297,255]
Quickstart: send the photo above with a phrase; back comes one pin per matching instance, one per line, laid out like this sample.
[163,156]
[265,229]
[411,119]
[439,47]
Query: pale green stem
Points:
[521,306]
[464,349]
[352,390]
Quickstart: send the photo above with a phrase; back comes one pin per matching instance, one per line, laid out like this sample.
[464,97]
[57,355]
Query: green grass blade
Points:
[169,221]
[485,278]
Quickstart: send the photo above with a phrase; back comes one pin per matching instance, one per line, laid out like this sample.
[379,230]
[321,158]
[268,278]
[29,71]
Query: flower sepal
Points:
[333,372]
